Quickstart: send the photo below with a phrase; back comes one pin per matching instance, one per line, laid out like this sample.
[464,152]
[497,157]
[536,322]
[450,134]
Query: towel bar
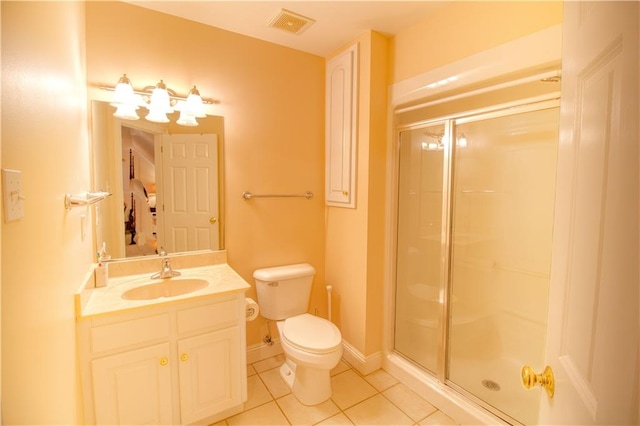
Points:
[247,195]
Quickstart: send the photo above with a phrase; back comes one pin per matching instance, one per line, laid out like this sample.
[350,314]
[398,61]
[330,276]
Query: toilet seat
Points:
[310,333]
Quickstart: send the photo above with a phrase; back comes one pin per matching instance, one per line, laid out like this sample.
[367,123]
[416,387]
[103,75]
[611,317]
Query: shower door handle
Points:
[530,379]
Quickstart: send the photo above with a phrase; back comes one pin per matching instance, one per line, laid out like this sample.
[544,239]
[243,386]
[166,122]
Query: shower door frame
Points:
[546,101]
[530,52]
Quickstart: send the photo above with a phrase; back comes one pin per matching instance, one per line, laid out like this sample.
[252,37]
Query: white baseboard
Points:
[262,351]
[364,364]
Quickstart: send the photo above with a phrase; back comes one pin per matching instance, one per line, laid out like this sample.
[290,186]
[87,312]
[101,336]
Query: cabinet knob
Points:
[184,357]
[345,193]
[164,361]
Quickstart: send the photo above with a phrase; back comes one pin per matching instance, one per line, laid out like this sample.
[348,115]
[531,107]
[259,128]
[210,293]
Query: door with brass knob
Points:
[545,380]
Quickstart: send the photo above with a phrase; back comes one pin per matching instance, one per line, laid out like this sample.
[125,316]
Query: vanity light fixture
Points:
[159,100]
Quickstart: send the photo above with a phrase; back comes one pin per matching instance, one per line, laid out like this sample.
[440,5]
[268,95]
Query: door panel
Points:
[593,341]
[133,388]
[420,252]
[209,371]
[503,195]
[189,210]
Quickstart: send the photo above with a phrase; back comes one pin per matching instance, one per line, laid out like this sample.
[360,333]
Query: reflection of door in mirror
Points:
[188,217]
[170,186]
[139,190]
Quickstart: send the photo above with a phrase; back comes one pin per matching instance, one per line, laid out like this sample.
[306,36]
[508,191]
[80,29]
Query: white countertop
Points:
[103,300]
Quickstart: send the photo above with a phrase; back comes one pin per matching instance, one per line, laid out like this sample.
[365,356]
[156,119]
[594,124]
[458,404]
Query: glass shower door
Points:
[502,217]
[419,314]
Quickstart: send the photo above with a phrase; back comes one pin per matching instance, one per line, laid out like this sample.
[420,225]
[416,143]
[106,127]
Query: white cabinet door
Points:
[341,122]
[133,387]
[210,373]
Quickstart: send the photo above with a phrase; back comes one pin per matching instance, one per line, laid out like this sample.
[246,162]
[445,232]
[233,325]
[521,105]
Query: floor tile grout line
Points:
[282,411]
[340,410]
[404,412]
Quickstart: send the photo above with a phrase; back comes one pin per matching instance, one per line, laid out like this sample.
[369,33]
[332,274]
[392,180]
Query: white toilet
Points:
[312,345]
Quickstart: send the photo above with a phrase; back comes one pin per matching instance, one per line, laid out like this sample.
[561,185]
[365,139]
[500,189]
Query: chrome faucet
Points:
[166,271]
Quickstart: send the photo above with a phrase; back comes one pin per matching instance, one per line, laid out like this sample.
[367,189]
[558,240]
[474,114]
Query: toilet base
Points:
[311,386]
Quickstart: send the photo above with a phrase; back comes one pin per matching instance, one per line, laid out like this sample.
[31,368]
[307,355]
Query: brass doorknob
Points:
[213,220]
[530,379]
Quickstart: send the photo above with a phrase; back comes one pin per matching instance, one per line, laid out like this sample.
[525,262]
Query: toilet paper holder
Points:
[251,309]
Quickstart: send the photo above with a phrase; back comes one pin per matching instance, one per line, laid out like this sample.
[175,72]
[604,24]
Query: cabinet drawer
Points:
[215,315]
[130,332]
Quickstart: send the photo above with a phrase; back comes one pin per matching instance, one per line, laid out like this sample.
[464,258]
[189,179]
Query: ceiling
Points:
[337,23]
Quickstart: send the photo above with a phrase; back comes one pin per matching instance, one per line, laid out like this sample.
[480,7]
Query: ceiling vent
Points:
[291,22]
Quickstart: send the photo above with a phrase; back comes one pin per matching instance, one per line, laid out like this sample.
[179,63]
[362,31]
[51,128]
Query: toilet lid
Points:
[312,334]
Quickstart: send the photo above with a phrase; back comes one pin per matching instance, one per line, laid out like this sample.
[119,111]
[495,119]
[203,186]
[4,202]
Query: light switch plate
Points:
[13,198]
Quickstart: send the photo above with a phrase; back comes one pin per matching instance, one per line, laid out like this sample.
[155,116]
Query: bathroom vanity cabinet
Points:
[172,363]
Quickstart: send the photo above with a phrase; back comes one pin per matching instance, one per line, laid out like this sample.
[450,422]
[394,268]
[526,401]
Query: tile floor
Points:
[374,399]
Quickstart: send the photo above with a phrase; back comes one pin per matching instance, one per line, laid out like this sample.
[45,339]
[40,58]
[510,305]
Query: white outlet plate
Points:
[13,197]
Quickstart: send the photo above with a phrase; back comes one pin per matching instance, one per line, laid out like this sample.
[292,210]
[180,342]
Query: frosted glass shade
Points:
[160,99]
[157,115]
[123,94]
[126,112]
[194,105]
[187,119]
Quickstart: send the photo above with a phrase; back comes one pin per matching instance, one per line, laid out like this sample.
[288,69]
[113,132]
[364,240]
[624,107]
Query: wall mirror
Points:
[166,183]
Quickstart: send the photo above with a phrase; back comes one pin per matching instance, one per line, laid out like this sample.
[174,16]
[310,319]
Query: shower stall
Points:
[475,197]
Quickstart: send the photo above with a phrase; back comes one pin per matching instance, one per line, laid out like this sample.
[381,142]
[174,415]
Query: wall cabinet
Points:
[178,363]
[341,128]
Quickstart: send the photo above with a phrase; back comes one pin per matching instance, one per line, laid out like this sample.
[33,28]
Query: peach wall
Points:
[355,237]
[465,28]
[44,258]
[272,100]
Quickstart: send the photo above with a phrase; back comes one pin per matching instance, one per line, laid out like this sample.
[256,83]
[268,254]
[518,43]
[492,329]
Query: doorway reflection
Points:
[139,190]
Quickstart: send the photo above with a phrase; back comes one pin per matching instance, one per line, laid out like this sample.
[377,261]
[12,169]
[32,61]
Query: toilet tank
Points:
[283,291]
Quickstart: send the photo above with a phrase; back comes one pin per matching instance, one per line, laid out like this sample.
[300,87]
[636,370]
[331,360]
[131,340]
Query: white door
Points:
[188,210]
[592,342]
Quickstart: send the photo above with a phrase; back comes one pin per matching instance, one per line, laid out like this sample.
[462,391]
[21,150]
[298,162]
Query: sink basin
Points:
[166,288]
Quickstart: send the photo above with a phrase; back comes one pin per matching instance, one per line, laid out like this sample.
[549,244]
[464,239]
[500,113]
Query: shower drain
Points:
[491,385]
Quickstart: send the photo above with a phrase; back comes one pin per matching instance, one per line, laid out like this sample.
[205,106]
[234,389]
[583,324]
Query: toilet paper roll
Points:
[252,309]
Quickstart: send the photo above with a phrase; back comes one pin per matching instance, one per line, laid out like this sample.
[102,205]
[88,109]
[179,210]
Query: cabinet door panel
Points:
[340,133]
[210,373]
[133,387]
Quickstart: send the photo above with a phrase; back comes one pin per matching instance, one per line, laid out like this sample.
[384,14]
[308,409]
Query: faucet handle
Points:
[162,252]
